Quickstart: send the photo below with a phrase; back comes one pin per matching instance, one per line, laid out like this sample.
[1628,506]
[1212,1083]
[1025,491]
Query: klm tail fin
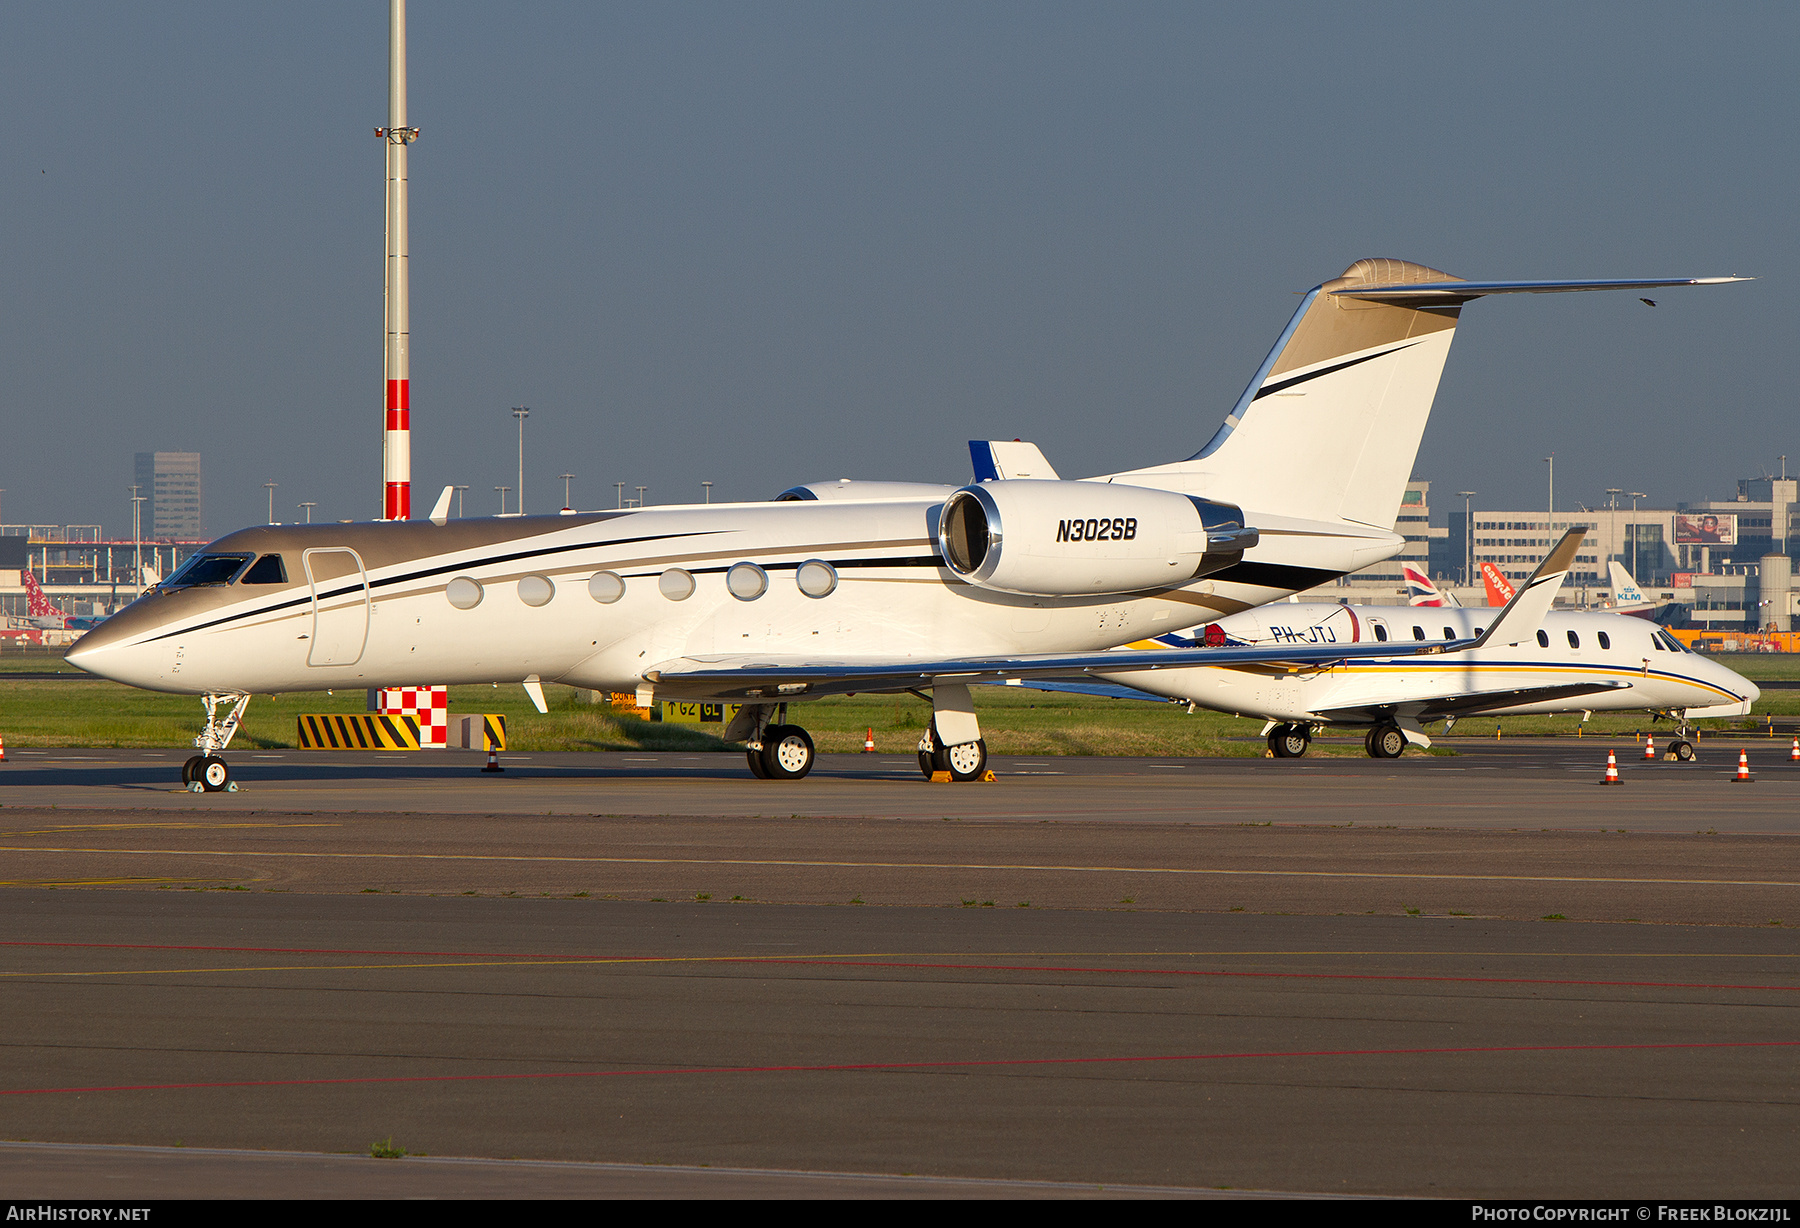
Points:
[1625,589]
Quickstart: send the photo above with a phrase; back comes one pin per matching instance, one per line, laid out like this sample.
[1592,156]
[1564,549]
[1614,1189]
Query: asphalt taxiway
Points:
[1478,975]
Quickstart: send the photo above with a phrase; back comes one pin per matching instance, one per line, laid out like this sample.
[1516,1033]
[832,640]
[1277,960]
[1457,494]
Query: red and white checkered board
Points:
[429,705]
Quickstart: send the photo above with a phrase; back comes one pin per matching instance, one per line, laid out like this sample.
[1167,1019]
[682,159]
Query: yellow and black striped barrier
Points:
[343,731]
[486,731]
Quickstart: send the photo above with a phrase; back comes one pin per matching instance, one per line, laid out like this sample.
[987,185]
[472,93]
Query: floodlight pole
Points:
[270,487]
[309,506]
[1468,536]
[521,412]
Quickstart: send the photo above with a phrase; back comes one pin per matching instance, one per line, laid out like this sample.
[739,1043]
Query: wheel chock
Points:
[940,778]
[988,777]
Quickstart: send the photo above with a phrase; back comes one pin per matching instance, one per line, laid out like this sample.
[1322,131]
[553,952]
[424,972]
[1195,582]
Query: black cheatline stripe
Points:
[417,575]
[1266,389]
[933,561]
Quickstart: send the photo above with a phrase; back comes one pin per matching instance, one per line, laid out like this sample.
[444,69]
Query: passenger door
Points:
[340,605]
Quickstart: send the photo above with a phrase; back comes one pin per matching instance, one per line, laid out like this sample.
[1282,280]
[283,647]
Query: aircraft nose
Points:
[115,649]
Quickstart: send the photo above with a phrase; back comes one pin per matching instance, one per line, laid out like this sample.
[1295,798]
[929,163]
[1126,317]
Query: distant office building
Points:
[171,481]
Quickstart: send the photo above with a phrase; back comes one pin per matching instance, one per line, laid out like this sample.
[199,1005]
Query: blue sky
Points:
[760,244]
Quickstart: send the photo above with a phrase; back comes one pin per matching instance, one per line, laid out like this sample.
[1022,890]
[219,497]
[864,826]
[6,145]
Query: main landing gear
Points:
[206,772]
[774,749]
[1385,741]
[964,761]
[1289,741]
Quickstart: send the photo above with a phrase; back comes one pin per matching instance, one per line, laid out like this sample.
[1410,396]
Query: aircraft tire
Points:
[1289,741]
[1386,742]
[787,752]
[755,759]
[1682,750]
[213,774]
[966,760]
[190,771]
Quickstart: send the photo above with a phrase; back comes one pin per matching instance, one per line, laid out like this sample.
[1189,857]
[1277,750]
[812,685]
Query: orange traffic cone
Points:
[1649,746]
[869,742]
[3,750]
[493,763]
[1743,772]
[1612,770]
[1793,758]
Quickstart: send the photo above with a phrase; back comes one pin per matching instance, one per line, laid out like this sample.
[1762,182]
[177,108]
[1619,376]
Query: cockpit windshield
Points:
[207,569]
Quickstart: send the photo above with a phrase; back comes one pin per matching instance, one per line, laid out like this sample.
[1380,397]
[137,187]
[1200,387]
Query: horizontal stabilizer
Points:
[1524,614]
[1453,289]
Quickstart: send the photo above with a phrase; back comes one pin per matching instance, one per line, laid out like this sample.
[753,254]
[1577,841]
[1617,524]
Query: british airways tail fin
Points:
[1421,591]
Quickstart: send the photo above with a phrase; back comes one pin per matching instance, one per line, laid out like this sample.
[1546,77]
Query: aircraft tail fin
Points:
[1625,589]
[1419,588]
[1499,590]
[1330,424]
[37,602]
[1524,614]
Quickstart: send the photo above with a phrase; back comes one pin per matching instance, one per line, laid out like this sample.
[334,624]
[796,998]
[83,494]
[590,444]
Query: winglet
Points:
[440,511]
[1524,614]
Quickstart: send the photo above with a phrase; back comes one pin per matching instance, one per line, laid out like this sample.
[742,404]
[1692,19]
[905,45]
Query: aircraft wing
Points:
[1470,704]
[770,679]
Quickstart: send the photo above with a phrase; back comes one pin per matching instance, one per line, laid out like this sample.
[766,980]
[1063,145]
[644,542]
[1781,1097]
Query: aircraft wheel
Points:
[787,752]
[965,760]
[1386,742]
[1683,751]
[1289,741]
[213,775]
[755,759]
[190,771]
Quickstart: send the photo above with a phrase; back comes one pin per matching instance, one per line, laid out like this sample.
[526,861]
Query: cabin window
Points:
[1449,633]
[1605,641]
[1480,630]
[1543,639]
[1574,640]
[266,570]
[1380,633]
[1418,633]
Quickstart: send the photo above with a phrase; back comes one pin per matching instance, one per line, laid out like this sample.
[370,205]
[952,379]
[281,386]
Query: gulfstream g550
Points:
[1020,574]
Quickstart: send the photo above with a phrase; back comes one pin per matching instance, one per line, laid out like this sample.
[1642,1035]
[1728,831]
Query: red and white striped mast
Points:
[396,448]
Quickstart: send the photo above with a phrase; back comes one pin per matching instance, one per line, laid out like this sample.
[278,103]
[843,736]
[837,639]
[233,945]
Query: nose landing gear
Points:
[206,772]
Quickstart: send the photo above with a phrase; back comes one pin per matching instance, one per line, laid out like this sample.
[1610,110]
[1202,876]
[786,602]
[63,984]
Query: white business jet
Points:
[888,590]
[1444,664]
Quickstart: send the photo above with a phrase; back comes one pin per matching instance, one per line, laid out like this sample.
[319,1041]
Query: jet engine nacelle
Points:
[1066,539]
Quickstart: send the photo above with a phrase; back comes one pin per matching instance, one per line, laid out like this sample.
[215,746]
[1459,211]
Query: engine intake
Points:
[1065,539]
